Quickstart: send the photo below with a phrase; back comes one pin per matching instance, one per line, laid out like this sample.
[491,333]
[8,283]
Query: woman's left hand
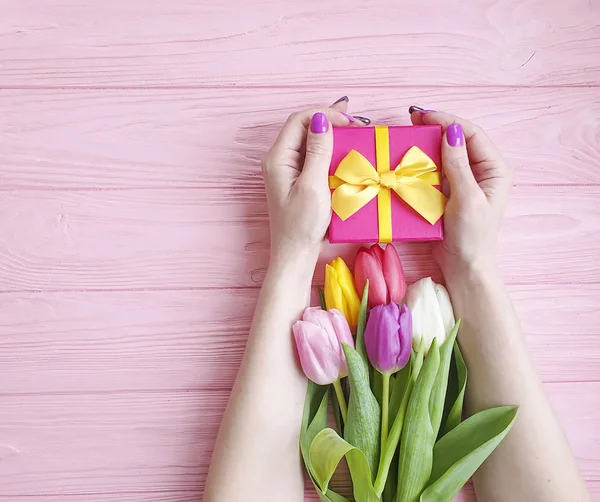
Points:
[296,171]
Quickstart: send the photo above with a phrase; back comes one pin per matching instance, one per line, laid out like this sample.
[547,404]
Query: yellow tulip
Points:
[340,291]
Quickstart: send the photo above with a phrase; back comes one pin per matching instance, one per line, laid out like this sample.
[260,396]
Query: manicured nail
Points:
[364,120]
[349,117]
[343,98]
[454,135]
[414,108]
[319,123]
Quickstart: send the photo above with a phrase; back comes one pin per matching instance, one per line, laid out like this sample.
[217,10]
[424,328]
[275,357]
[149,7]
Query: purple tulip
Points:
[318,338]
[388,337]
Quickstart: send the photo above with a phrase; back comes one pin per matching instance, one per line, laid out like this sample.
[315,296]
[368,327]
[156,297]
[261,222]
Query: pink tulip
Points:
[318,338]
[384,271]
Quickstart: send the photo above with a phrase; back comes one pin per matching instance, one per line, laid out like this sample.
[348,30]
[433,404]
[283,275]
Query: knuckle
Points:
[458,163]
[478,131]
[316,149]
[293,117]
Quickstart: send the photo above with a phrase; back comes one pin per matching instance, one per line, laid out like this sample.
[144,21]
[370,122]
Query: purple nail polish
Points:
[349,117]
[319,123]
[454,135]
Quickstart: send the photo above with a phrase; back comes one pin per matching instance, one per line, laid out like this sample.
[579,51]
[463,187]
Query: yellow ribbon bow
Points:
[356,182]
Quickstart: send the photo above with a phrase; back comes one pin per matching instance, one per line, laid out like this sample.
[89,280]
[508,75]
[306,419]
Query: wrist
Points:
[469,271]
[295,263]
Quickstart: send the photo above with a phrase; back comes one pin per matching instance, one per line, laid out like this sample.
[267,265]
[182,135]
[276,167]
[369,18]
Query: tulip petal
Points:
[333,291]
[360,278]
[405,336]
[446,310]
[367,267]
[381,338]
[318,361]
[426,316]
[322,318]
[346,283]
[377,252]
[340,325]
[394,275]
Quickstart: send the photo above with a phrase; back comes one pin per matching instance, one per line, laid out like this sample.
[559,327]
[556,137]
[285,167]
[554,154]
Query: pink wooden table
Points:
[133,225]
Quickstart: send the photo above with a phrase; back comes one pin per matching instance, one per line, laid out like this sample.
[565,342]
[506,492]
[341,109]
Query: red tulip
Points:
[385,274]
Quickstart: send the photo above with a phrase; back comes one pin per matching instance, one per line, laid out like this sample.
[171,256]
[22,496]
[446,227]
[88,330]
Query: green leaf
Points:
[337,414]
[455,414]
[399,386]
[438,392]
[321,297]
[331,496]
[363,426]
[314,419]
[389,452]
[326,451]
[459,453]
[418,438]
[360,327]
[397,389]
[377,384]
[391,483]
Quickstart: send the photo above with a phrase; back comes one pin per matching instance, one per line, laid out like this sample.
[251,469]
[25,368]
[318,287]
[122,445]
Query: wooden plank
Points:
[158,496]
[216,137]
[139,239]
[291,43]
[190,340]
[61,443]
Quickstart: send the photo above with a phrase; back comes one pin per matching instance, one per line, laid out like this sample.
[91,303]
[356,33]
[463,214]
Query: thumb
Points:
[319,149]
[456,162]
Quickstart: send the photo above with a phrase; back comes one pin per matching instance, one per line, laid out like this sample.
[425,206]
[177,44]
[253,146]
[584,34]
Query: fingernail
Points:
[349,117]
[454,135]
[343,98]
[319,123]
[414,108]
[364,120]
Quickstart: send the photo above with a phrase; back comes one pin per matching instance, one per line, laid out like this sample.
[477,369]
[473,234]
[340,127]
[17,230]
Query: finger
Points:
[479,145]
[416,114]
[416,118]
[293,134]
[341,105]
[456,162]
[319,149]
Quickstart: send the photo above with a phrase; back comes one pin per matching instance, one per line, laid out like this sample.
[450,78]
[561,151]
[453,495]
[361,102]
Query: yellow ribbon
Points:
[356,182]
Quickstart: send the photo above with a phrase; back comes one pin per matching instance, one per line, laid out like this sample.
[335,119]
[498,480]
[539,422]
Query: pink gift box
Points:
[407,224]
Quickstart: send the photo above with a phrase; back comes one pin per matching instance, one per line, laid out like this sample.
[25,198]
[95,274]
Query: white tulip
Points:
[443,299]
[431,310]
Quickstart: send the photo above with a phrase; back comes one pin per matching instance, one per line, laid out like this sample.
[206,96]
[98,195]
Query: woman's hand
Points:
[296,171]
[479,182]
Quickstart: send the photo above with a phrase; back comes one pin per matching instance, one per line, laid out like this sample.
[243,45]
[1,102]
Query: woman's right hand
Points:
[479,182]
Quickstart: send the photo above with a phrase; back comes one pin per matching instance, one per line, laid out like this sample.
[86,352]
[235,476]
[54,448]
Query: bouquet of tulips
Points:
[398,413]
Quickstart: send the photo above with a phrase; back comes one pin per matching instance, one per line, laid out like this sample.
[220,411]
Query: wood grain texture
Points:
[138,496]
[536,42]
[140,239]
[78,139]
[194,340]
[161,441]
[133,225]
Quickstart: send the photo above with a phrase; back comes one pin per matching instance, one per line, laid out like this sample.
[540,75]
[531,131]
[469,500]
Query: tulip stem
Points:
[341,399]
[385,402]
